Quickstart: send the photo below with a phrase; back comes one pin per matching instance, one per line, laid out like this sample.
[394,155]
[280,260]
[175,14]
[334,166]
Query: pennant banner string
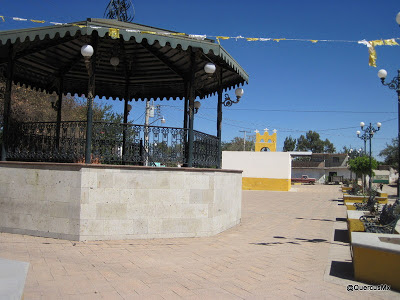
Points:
[114,33]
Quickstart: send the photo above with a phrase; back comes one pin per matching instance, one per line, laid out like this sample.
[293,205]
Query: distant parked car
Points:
[304,179]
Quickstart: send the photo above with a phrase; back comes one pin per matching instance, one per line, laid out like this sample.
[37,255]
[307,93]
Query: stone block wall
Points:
[96,202]
[38,200]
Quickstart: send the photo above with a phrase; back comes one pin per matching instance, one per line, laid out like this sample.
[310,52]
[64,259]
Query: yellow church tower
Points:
[265,142]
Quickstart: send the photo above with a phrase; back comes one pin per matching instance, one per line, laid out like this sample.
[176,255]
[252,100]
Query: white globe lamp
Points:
[382,73]
[87,51]
[210,68]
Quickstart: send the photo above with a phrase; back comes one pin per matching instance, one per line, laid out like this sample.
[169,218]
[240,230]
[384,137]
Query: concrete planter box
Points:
[360,199]
[102,202]
[346,188]
[353,221]
[376,258]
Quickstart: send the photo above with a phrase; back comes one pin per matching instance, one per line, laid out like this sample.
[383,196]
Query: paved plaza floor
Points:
[289,245]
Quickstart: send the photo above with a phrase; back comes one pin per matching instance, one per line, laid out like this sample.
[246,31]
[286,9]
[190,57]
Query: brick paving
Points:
[289,245]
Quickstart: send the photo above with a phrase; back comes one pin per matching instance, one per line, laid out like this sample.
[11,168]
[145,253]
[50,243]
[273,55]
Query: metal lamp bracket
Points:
[228,101]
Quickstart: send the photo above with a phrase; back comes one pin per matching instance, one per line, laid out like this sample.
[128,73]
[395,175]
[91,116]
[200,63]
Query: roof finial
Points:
[119,9]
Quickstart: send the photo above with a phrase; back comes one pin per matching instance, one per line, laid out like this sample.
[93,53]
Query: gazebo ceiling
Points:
[152,65]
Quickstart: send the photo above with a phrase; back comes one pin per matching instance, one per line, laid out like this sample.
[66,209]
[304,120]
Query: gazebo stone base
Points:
[104,202]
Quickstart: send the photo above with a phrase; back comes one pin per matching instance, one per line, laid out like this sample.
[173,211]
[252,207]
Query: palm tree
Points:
[122,10]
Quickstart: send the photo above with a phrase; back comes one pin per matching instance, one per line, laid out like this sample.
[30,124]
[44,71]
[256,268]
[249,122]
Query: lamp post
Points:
[210,69]
[395,85]
[87,52]
[150,112]
[368,134]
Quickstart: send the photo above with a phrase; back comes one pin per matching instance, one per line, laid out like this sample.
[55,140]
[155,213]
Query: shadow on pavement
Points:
[342,269]
[337,200]
[341,235]
[315,219]
[297,241]
[341,220]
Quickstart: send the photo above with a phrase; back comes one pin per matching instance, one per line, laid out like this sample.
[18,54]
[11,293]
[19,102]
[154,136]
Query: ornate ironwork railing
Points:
[112,143]
[205,150]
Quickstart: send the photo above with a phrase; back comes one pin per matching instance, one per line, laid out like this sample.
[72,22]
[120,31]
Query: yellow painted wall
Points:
[269,171]
[265,184]
[376,266]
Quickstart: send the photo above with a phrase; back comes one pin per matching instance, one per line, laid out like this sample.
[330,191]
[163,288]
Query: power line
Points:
[286,130]
[300,111]
[316,111]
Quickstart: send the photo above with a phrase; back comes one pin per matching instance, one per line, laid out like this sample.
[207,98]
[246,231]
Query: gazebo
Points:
[117,193]
[116,60]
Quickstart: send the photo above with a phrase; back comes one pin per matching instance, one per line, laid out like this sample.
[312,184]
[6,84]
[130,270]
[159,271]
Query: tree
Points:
[312,142]
[33,106]
[345,150]
[237,144]
[391,153]
[329,147]
[289,144]
[360,165]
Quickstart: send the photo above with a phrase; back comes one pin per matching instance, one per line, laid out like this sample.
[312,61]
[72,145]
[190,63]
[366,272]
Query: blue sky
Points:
[287,78]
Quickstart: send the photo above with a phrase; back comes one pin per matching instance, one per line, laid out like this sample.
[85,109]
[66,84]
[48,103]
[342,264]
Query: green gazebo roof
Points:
[154,63]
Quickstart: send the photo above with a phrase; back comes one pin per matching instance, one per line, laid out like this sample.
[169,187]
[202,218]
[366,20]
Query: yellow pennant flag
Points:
[80,26]
[391,42]
[38,21]
[149,32]
[2,18]
[222,38]
[372,56]
[376,43]
[314,41]
[113,33]
[278,40]
[252,39]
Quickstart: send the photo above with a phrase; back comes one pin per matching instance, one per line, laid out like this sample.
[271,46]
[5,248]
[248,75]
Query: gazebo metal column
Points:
[59,106]
[192,96]
[185,121]
[186,105]
[219,119]
[7,103]
[126,112]
[127,98]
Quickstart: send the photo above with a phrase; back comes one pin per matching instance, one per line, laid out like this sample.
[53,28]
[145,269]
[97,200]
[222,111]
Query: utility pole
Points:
[244,139]
[146,133]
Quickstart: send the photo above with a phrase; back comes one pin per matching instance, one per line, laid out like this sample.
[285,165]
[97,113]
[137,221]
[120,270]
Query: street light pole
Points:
[368,134]
[394,85]
[87,52]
